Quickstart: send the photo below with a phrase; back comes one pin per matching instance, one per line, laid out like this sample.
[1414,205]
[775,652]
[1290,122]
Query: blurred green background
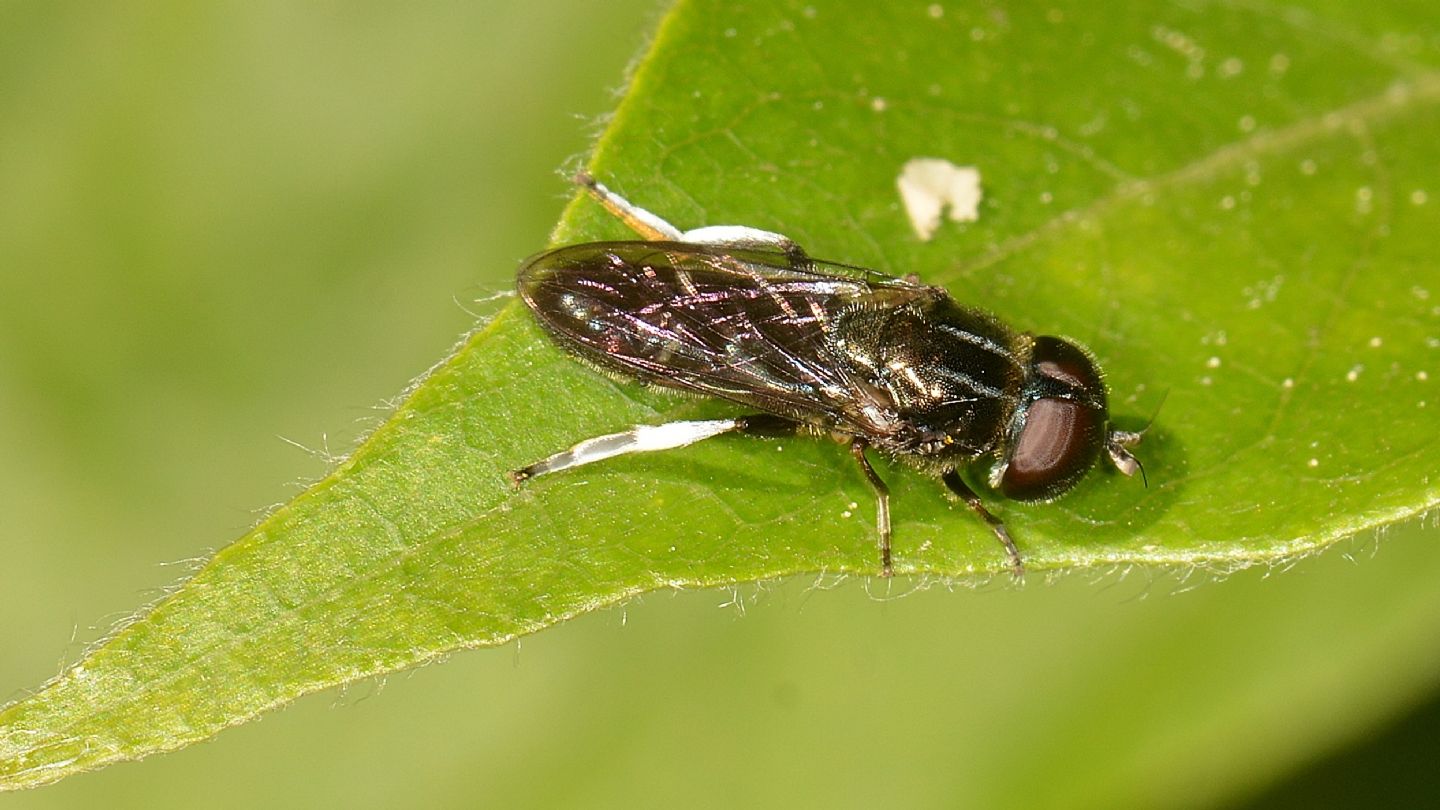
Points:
[225,223]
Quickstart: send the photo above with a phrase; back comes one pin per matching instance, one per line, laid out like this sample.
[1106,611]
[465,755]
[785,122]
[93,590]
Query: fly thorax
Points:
[955,375]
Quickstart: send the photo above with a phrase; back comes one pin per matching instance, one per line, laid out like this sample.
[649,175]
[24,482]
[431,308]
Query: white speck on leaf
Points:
[1354,373]
[1263,292]
[1183,45]
[1094,126]
[936,11]
[1363,198]
[930,185]
[1140,56]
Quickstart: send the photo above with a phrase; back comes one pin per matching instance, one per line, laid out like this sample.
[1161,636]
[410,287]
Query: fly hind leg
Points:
[649,438]
[637,219]
[654,228]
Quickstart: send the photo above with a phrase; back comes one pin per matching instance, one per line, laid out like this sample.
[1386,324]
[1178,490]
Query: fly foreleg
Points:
[958,486]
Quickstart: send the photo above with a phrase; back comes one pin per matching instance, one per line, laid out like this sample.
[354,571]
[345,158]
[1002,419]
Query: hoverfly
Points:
[818,347]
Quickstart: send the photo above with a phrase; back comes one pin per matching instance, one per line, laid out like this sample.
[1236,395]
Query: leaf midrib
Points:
[1399,98]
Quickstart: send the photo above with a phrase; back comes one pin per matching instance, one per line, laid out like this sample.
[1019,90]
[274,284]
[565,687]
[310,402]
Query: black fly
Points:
[870,359]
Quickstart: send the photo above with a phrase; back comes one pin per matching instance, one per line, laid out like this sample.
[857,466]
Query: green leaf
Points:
[1227,204]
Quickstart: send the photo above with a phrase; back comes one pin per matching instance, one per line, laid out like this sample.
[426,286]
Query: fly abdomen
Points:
[700,320]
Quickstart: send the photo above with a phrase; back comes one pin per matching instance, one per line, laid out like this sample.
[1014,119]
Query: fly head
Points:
[1060,427]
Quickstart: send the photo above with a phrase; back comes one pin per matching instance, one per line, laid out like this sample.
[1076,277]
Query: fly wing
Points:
[750,326]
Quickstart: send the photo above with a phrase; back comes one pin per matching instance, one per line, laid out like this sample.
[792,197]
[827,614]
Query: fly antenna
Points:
[1119,442]
[1164,395]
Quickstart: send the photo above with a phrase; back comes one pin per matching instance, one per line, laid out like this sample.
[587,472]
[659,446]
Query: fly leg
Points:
[882,504]
[651,227]
[636,218]
[648,438]
[959,487]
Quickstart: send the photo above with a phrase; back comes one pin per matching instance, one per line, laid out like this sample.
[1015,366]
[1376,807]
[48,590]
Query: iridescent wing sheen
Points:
[751,326]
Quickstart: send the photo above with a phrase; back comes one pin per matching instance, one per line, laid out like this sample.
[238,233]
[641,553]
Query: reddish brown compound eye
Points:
[1060,442]
[1065,363]
[1060,434]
